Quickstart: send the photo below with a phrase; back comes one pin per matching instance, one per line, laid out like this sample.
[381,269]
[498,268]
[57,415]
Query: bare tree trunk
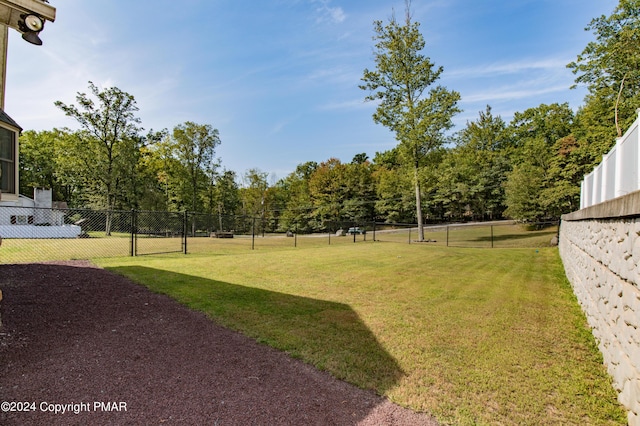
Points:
[418,205]
[618,129]
[109,215]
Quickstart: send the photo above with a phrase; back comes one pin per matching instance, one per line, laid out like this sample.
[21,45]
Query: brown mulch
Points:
[76,334]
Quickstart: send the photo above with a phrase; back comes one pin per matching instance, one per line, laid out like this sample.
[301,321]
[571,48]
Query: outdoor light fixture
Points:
[30,26]
[26,16]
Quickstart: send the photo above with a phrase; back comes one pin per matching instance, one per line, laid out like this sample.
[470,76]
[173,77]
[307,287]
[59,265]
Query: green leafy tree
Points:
[594,128]
[71,172]
[109,129]
[566,171]
[169,174]
[254,188]
[395,197]
[522,191]
[296,198]
[361,192]
[38,166]
[328,188]
[193,146]
[456,176]
[226,199]
[416,112]
[536,133]
[480,156]
[253,195]
[145,190]
[101,149]
[610,65]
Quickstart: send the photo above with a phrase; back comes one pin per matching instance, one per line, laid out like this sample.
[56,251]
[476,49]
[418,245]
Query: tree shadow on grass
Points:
[328,335]
[517,239]
[517,236]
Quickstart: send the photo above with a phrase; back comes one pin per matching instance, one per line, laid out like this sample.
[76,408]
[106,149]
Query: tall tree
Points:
[329,190]
[253,196]
[610,65]
[109,125]
[194,147]
[38,168]
[71,172]
[416,112]
[481,151]
[296,198]
[395,201]
[360,202]
[536,132]
[142,189]
[226,199]
[562,192]
[109,132]
[522,191]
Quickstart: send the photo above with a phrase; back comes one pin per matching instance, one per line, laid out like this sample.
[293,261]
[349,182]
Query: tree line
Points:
[528,169]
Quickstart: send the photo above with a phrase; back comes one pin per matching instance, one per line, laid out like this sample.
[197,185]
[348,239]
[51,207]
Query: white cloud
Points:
[337,14]
[515,67]
[334,15]
[338,75]
[279,126]
[512,92]
[354,104]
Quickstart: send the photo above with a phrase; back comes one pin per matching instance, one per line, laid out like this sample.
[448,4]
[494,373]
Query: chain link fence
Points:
[31,234]
[229,233]
[37,234]
[499,234]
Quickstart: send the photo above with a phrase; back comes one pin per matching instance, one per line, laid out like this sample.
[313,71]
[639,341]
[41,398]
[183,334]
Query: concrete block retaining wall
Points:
[601,256]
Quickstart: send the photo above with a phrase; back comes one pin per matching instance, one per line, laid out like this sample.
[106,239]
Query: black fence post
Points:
[253,233]
[447,235]
[185,226]
[409,234]
[133,233]
[374,231]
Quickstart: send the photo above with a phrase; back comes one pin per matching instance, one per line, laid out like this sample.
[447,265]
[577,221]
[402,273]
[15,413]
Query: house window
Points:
[7,161]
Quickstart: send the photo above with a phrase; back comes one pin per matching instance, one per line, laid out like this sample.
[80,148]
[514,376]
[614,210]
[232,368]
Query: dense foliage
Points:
[528,169]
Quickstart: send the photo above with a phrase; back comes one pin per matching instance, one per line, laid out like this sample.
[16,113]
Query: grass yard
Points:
[472,336]
[39,250]
[474,235]
[119,244]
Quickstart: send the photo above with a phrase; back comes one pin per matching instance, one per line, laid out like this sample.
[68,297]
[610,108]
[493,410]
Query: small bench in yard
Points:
[222,234]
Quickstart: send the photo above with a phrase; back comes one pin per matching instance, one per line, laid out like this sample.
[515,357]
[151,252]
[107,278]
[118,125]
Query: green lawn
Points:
[119,244]
[38,250]
[473,235]
[473,336]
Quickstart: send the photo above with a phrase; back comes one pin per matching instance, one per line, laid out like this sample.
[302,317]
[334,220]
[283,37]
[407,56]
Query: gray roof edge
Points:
[4,117]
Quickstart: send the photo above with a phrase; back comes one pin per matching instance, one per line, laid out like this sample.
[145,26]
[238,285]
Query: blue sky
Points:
[279,78]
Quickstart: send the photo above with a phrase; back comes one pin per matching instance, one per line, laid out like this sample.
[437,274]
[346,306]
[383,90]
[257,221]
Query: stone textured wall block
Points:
[602,262]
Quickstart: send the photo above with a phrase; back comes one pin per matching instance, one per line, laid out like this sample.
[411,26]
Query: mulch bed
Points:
[75,335]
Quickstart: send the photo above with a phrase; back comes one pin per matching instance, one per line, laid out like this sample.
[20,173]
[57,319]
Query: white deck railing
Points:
[617,174]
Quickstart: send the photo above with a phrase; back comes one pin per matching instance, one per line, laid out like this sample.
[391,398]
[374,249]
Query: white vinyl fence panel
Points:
[618,173]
